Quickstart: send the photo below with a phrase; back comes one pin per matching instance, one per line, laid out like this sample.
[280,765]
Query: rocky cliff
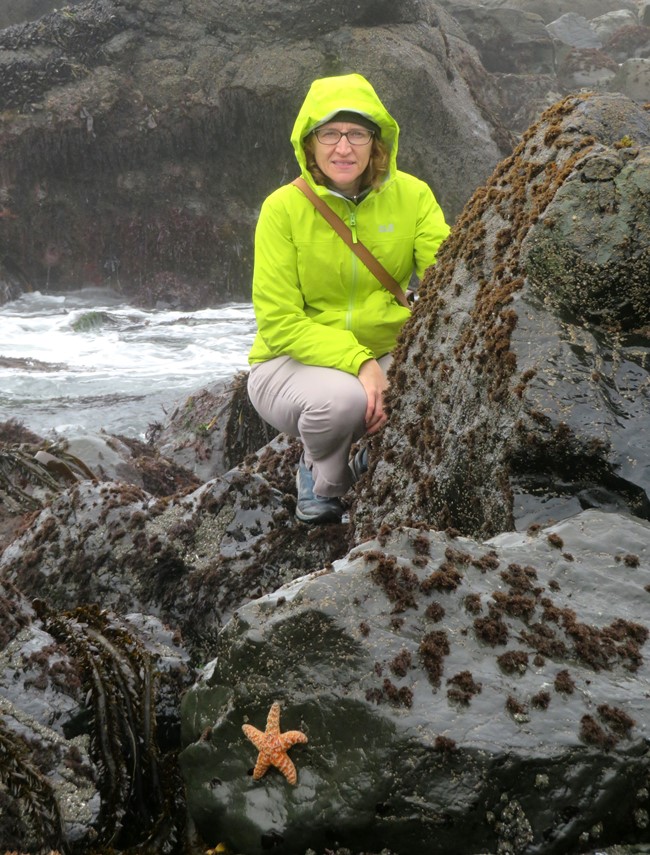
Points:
[139,139]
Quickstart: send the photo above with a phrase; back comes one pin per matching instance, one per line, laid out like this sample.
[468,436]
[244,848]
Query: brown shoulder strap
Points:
[359,249]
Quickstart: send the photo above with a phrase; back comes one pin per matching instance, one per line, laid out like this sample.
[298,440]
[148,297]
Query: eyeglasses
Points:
[330,136]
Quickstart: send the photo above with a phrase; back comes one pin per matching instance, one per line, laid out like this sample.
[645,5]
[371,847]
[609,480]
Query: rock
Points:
[113,111]
[18,11]
[214,429]
[189,559]
[550,10]
[508,41]
[529,69]
[121,458]
[572,32]
[433,674]
[586,68]
[33,470]
[524,97]
[88,717]
[605,26]
[628,43]
[644,13]
[633,79]
[517,388]
[11,285]
[587,256]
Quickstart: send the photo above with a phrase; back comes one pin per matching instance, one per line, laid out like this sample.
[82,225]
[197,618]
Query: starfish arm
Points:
[291,737]
[273,719]
[263,763]
[287,768]
[256,736]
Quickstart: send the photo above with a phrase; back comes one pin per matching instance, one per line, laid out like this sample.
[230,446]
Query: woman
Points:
[326,326]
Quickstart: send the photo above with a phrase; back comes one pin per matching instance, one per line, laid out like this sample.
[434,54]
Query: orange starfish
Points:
[273,746]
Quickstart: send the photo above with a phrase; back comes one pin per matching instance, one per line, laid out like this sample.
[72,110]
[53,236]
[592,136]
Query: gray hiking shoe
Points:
[359,463]
[310,507]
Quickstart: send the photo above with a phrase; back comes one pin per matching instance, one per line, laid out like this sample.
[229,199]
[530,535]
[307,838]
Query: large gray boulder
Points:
[633,79]
[140,138]
[605,26]
[456,696]
[519,387]
[575,31]
[549,10]
[508,41]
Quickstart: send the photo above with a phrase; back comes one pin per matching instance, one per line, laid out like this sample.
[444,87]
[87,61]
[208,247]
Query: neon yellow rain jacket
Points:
[314,300]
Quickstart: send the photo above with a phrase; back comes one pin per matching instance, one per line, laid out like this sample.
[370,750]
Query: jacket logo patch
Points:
[387,228]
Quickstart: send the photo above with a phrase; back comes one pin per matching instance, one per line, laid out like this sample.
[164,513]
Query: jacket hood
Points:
[328,96]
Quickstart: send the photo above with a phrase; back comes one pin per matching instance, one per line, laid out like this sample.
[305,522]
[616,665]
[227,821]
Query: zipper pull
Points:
[353,225]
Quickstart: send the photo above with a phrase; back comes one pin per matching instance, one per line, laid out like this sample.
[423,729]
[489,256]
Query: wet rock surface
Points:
[458,694]
[109,593]
[519,386]
[33,470]
[114,112]
[190,559]
[88,723]
[213,430]
[457,697]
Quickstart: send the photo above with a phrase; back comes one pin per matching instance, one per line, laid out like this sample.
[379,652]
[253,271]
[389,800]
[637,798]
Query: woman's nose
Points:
[343,145]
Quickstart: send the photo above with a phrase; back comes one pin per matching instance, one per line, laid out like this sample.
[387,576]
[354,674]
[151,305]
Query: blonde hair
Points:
[372,176]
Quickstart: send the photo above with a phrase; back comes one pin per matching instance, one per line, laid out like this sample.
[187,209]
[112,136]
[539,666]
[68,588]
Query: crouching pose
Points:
[326,323]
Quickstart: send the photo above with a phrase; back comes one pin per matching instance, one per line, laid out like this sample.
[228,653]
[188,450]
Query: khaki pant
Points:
[325,407]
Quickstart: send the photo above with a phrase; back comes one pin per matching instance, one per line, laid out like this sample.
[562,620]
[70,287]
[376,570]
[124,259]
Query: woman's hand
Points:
[374,382]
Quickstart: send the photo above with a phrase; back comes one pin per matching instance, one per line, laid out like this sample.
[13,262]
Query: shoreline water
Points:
[88,361]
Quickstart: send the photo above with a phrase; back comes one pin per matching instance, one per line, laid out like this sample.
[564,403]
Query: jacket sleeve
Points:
[278,301]
[431,230]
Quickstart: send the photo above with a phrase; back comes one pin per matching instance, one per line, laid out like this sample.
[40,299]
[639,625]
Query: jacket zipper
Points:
[353,289]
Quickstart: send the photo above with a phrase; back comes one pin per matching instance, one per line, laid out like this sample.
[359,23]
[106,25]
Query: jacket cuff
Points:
[361,356]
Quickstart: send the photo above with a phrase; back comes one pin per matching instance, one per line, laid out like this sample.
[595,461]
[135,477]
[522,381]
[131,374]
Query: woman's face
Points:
[343,164]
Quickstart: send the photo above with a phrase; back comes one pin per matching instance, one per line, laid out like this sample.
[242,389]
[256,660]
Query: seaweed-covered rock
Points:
[629,42]
[89,706]
[456,696]
[190,559]
[33,470]
[586,68]
[214,429]
[519,387]
[605,26]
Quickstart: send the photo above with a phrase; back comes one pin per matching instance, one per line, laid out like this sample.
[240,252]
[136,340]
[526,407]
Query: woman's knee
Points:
[350,402]
[341,413]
